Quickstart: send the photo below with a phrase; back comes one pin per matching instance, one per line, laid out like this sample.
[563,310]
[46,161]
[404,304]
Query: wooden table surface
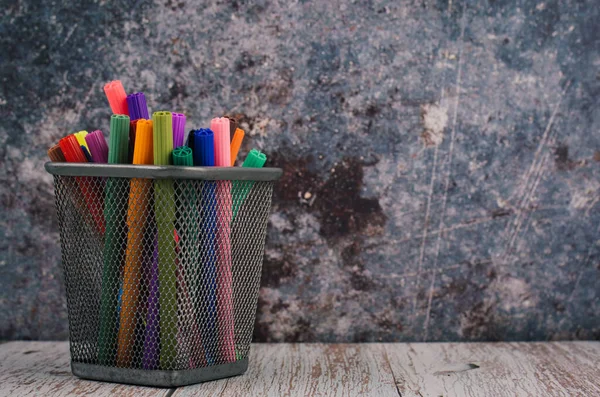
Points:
[378,369]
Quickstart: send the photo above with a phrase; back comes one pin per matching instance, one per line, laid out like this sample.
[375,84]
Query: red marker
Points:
[94,202]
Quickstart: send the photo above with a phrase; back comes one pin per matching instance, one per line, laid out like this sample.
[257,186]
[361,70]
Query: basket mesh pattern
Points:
[161,274]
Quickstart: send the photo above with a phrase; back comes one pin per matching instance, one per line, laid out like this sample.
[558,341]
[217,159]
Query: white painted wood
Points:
[419,369]
[496,369]
[43,369]
[307,370]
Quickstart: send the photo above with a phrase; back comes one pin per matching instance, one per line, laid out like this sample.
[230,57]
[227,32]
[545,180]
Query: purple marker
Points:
[98,146]
[178,129]
[137,106]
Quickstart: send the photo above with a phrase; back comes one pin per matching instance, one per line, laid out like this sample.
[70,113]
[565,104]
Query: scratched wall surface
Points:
[441,159]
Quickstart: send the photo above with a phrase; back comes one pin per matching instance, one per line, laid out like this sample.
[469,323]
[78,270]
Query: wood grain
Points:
[307,370]
[416,369]
[43,369]
[496,369]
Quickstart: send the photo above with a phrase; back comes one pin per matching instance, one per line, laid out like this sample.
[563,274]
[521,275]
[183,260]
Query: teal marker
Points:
[241,189]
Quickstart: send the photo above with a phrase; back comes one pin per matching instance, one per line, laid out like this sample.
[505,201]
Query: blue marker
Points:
[204,156]
[87,154]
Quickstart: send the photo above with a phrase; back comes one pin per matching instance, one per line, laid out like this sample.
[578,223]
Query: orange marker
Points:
[137,214]
[236,142]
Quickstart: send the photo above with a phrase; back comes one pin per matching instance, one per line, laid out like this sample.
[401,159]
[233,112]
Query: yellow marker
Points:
[236,142]
[81,139]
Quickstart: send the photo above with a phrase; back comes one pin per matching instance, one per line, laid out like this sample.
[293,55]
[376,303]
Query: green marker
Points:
[189,264]
[183,156]
[164,209]
[115,214]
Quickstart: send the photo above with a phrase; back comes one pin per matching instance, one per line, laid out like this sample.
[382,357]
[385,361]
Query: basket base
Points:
[156,377]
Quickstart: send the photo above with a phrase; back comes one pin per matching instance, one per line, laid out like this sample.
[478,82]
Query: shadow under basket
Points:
[162,268]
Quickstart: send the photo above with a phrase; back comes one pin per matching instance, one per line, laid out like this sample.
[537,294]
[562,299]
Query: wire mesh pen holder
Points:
[162,268]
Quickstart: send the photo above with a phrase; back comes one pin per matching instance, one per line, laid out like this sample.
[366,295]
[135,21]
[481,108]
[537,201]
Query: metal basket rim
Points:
[163,171]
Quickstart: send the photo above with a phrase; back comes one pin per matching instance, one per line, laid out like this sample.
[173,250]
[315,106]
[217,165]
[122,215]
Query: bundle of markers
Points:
[198,221]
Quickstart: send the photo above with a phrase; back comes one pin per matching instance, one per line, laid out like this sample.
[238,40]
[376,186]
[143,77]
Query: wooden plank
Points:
[496,369]
[307,370]
[43,369]
[432,369]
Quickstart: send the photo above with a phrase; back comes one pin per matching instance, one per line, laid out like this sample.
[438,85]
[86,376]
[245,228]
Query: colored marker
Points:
[241,189]
[73,154]
[178,129]
[203,152]
[136,105]
[56,155]
[189,264]
[137,215]
[236,142]
[98,146]
[117,98]
[81,138]
[115,212]
[221,129]
[164,207]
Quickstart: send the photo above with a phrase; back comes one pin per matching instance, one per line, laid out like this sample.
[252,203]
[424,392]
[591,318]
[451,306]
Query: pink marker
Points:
[220,128]
[117,98]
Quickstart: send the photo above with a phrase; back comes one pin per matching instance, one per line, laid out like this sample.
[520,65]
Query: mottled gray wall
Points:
[441,159]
